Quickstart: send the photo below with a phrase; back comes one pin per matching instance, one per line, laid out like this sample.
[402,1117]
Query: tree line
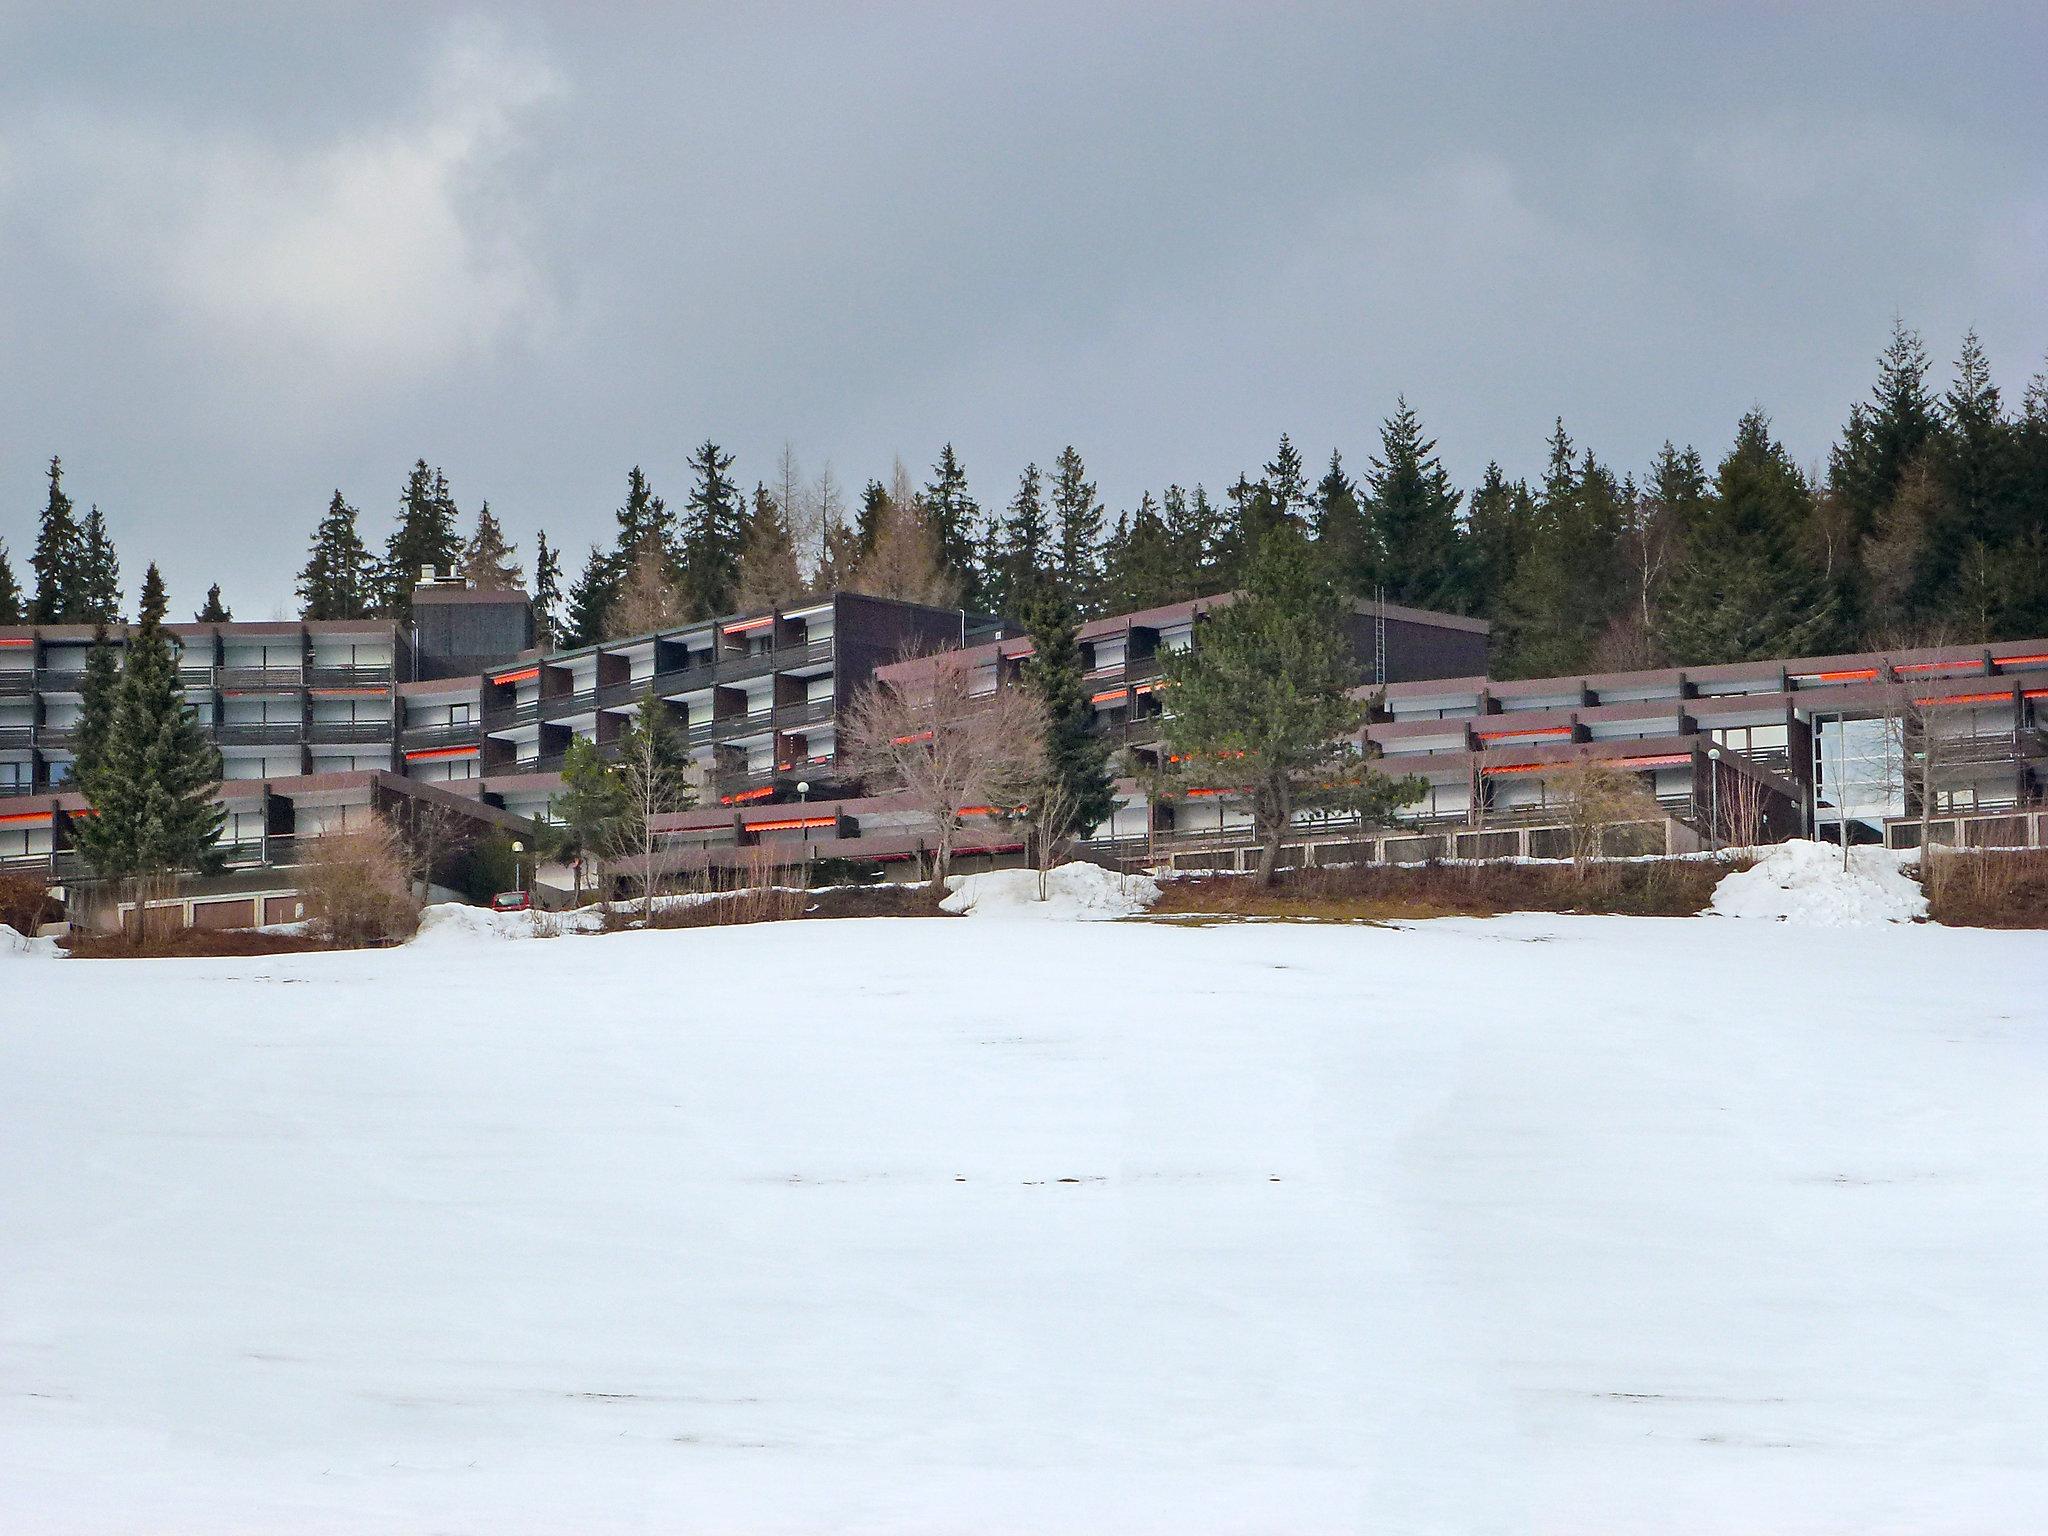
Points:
[1930,516]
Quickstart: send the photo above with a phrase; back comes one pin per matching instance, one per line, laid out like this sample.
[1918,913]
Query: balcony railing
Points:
[349,677]
[349,730]
[16,737]
[16,681]
[579,703]
[518,714]
[462,733]
[60,680]
[260,677]
[273,733]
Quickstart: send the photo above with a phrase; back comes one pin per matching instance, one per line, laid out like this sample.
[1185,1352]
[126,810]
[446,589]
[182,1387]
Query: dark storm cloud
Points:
[249,260]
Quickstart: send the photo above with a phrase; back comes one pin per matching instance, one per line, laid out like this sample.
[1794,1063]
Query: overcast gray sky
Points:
[249,253]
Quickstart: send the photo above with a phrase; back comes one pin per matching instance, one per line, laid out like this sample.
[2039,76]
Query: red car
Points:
[511,901]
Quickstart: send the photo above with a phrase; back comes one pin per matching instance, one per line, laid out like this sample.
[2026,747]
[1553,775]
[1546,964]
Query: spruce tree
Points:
[714,533]
[769,577]
[59,557]
[487,562]
[13,605]
[152,789]
[956,519]
[1286,484]
[213,610]
[1076,758]
[1568,585]
[1023,563]
[1195,530]
[1497,535]
[99,690]
[1414,514]
[99,575]
[591,807]
[547,591]
[1262,702]
[1744,591]
[425,539]
[1344,533]
[645,515]
[591,599]
[1077,531]
[1139,561]
[868,519]
[339,580]
[1975,462]
[1886,438]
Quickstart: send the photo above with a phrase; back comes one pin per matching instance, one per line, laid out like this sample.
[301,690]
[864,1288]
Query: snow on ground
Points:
[18,945]
[1073,893]
[1539,1224]
[1804,882]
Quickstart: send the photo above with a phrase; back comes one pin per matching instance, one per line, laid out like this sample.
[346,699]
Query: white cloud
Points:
[387,253]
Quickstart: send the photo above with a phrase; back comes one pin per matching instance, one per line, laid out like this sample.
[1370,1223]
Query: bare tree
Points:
[1595,797]
[355,885]
[906,561]
[648,599]
[1052,807]
[945,748]
[652,773]
[428,833]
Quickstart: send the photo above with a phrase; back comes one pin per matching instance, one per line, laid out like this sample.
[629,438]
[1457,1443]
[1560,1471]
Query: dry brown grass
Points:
[1987,888]
[358,888]
[165,943]
[776,904]
[1387,892]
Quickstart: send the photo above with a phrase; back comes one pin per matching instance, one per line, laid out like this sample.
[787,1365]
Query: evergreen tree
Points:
[339,580]
[1076,758]
[646,600]
[591,807]
[769,576]
[1568,584]
[488,562]
[99,690]
[1077,531]
[547,591]
[714,533]
[1884,439]
[869,518]
[1194,529]
[956,520]
[213,610]
[591,599]
[1744,592]
[99,574]
[1023,564]
[1286,484]
[645,515]
[153,786]
[59,557]
[424,541]
[1344,532]
[1140,565]
[1262,702]
[1415,518]
[1497,534]
[1975,463]
[13,606]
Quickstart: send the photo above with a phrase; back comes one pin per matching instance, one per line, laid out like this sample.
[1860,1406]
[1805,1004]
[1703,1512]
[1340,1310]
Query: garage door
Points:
[235,912]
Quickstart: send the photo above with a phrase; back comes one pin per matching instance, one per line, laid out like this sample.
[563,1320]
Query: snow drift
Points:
[21,946]
[1074,893]
[1804,882]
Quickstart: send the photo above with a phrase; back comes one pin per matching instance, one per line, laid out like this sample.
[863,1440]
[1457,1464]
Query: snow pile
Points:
[1083,893]
[1804,882]
[454,922]
[20,944]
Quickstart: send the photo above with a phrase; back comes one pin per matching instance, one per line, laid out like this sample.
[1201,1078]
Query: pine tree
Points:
[13,605]
[1414,514]
[424,541]
[1023,562]
[547,591]
[645,515]
[1139,562]
[591,599]
[1344,532]
[99,575]
[339,580]
[487,561]
[956,519]
[714,533]
[99,691]
[1496,536]
[1744,592]
[769,577]
[213,610]
[1195,530]
[59,557]
[591,807]
[868,519]
[1568,584]
[1286,484]
[1076,757]
[1077,531]
[152,790]
[1884,439]
[1262,702]
[1975,461]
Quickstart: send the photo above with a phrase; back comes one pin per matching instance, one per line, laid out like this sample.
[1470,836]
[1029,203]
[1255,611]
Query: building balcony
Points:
[349,677]
[462,733]
[259,678]
[195,677]
[17,682]
[349,731]
[518,714]
[14,738]
[271,733]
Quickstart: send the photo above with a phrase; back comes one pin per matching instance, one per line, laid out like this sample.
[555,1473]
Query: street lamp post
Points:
[518,880]
[1714,794]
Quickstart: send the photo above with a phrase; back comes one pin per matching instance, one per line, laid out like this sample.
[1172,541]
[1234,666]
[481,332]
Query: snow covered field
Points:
[1530,1225]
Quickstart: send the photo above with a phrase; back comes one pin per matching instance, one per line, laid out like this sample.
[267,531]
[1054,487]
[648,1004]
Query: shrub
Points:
[26,903]
[357,888]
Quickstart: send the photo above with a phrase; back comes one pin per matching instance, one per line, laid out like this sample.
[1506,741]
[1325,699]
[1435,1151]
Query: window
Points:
[458,714]
[13,777]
